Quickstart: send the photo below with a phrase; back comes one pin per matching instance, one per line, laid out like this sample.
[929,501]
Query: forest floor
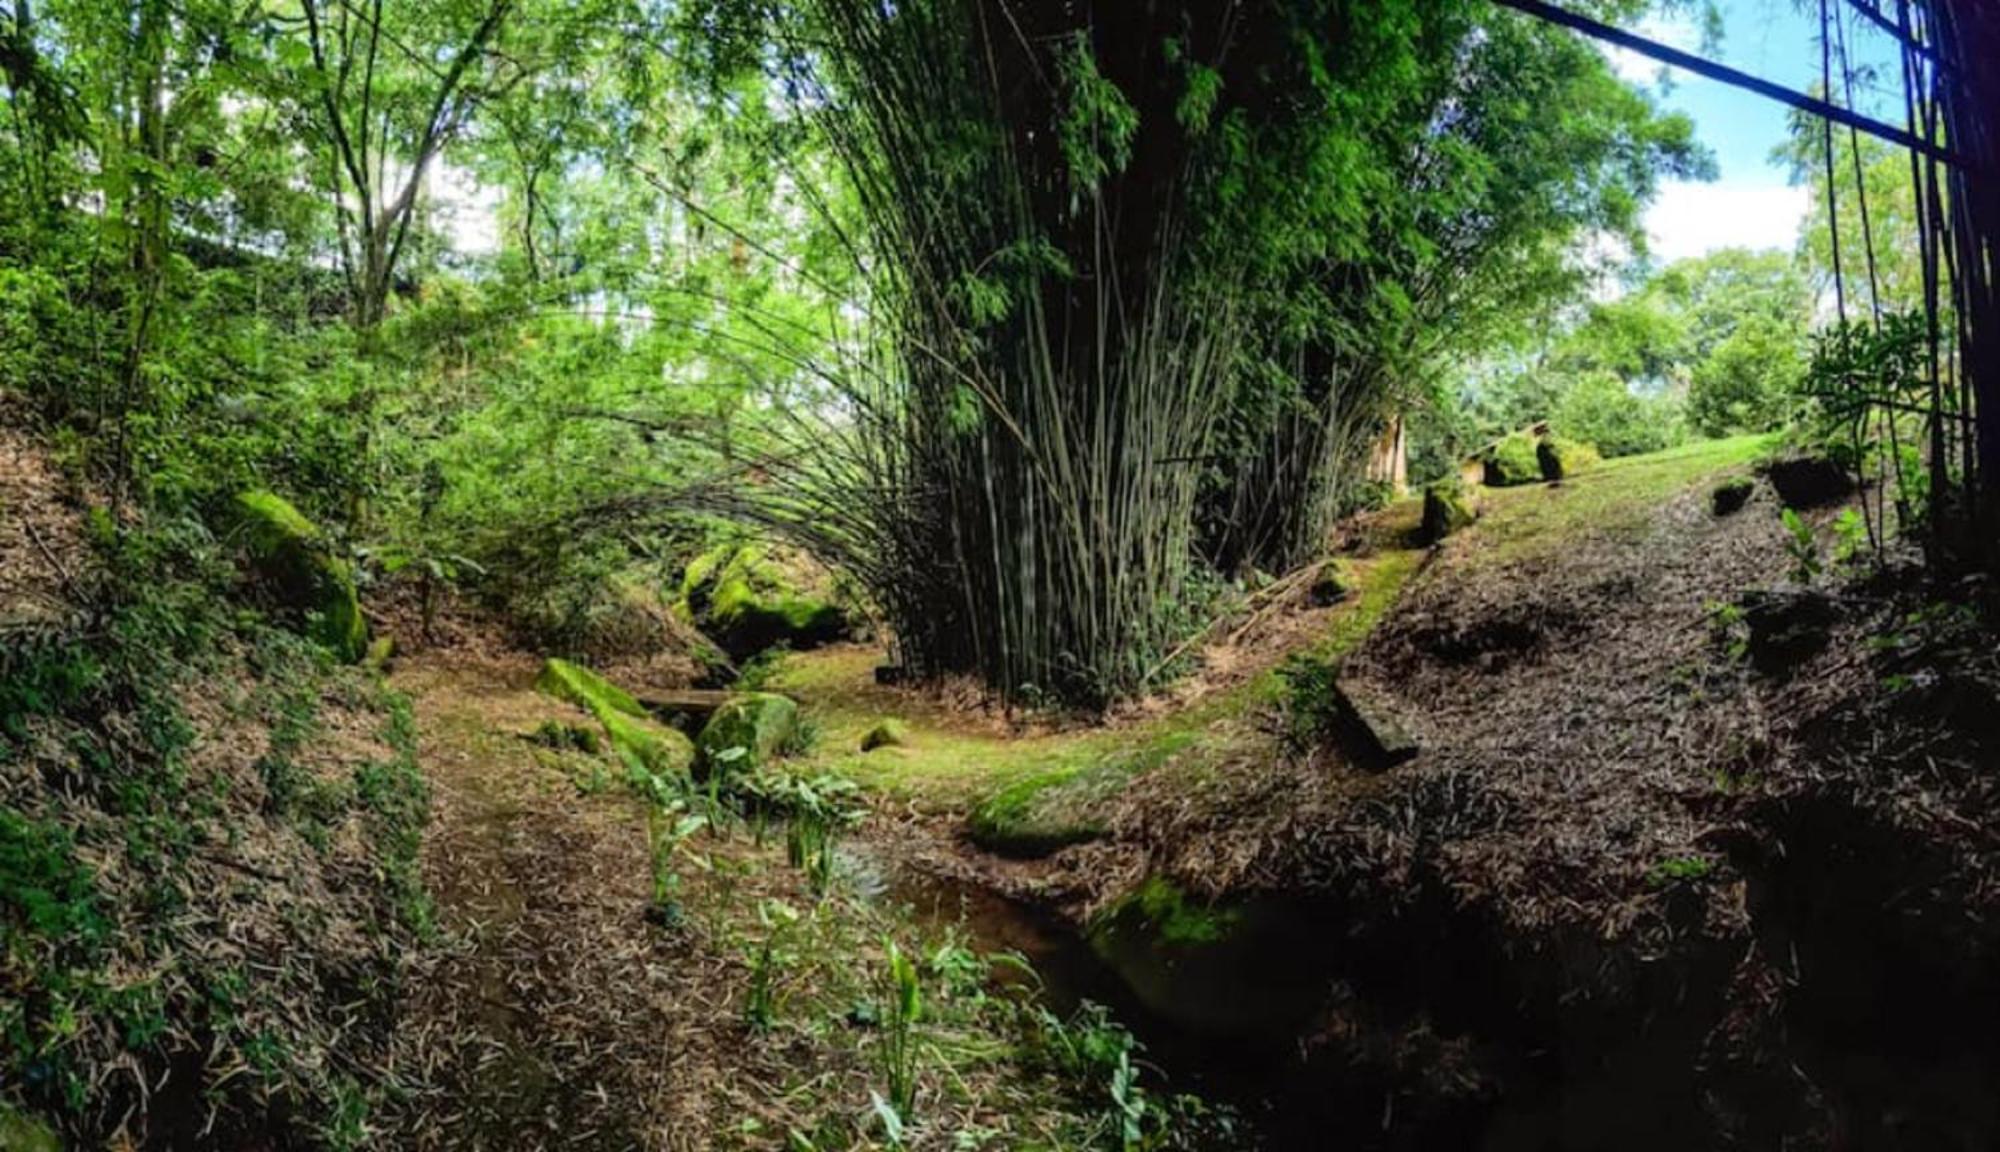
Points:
[557,1011]
[1638,888]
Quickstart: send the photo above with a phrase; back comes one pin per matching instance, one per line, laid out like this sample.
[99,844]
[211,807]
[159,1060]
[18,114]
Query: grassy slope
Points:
[1037,791]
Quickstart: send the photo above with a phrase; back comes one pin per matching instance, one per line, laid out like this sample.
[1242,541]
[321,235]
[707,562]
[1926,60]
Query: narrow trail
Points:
[550,1016]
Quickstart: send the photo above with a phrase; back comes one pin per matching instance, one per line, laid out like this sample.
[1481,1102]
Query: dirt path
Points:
[551,1015]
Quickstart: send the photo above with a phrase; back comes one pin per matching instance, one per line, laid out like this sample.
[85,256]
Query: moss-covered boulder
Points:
[885,734]
[20,1132]
[1560,457]
[586,689]
[1731,495]
[748,599]
[1514,460]
[1226,967]
[1447,509]
[758,723]
[1335,582]
[632,733]
[293,559]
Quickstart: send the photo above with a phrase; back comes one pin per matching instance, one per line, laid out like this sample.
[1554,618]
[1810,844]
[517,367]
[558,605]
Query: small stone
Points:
[886,734]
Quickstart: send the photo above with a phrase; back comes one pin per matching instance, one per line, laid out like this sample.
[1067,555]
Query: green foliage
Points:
[1802,545]
[668,829]
[1678,870]
[45,893]
[1749,383]
[902,1008]
[1602,410]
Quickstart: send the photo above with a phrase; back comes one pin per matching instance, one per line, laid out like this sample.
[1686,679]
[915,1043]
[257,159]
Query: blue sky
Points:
[1751,204]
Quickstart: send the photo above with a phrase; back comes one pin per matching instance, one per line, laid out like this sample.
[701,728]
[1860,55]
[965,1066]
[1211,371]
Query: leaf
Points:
[892,1121]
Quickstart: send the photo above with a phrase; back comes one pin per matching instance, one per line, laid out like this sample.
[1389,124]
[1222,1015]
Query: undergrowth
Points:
[198,937]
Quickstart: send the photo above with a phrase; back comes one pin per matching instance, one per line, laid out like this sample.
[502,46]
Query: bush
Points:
[1599,409]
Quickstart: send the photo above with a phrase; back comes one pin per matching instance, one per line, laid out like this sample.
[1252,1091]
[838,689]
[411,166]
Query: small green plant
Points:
[779,919]
[902,1009]
[1851,547]
[818,811]
[668,827]
[1680,870]
[802,739]
[1726,628]
[1802,547]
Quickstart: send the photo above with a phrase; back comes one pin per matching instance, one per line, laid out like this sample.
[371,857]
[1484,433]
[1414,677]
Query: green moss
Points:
[758,723]
[20,1132]
[1447,509]
[1560,457]
[636,739]
[1013,822]
[1616,497]
[291,554]
[582,687]
[661,750]
[1513,461]
[748,603]
[1173,917]
[889,733]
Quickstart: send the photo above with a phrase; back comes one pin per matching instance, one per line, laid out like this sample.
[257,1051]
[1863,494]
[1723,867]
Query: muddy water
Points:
[1067,973]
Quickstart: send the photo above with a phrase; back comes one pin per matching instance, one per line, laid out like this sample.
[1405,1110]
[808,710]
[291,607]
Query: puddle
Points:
[1233,1071]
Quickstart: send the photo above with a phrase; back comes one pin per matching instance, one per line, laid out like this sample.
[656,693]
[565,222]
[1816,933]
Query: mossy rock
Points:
[759,723]
[1513,461]
[747,600]
[633,735]
[886,734]
[20,1132]
[661,750]
[1560,457]
[1230,967]
[1018,823]
[1731,495]
[1336,581]
[1447,509]
[582,687]
[291,556]
[381,650]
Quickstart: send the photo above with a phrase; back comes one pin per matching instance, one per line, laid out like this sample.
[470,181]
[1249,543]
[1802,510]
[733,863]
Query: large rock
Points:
[1370,728]
[1447,509]
[655,747]
[1513,461]
[759,723]
[291,556]
[1561,457]
[749,599]
[1809,481]
[1228,968]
